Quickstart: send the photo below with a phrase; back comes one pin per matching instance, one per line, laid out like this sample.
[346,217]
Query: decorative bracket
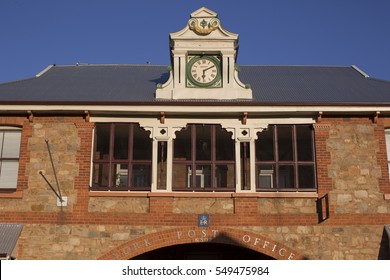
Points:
[87,116]
[376,117]
[319,118]
[244,118]
[30,116]
[162,117]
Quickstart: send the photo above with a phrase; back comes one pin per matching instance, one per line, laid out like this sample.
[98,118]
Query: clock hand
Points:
[204,70]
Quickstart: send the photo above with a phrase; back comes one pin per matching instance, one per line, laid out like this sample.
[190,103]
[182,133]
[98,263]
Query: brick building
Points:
[201,160]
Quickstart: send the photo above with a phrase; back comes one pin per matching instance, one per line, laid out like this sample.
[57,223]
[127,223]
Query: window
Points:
[203,159]
[9,157]
[285,158]
[122,157]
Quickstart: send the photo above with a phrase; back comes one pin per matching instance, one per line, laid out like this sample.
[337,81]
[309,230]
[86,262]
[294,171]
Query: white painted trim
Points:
[91,158]
[197,109]
[259,123]
[7,127]
[44,71]
[360,71]
[154,165]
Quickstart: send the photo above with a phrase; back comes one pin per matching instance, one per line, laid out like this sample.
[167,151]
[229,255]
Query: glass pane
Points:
[142,145]
[306,177]
[181,174]
[121,141]
[100,174]
[304,143]
[285,145]
[224,144]
[141,175]
[266,175]
[11,144]
[286,176]
[182,145]
[203,142]
[119,175]
[265,145]
[162,165]
[245,166]
[102,147]
[9,174]
[203,176]
[224,176]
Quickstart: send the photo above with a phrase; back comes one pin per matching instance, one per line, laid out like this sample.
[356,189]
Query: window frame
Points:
[110,162]
[3,130]
[191,164]
[295,163]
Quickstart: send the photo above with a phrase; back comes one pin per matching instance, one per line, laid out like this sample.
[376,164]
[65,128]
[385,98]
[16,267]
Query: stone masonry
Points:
[94,224]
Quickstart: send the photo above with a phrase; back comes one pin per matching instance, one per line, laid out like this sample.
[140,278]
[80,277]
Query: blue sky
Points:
[35,34]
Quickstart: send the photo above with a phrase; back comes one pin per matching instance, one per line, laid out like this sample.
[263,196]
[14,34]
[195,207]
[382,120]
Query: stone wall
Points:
[355,170]
[76,241]
[351,167]
[203,205]
[64,143]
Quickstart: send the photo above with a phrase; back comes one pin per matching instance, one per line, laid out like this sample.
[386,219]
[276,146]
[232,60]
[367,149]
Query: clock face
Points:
[204,71]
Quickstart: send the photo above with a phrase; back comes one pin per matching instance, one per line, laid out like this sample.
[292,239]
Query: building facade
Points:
[200,160]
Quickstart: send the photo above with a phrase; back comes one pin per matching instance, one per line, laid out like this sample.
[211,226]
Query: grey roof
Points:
[9,235]
[137,83]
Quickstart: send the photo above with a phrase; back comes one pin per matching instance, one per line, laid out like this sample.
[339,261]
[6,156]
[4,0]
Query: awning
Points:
[9,235]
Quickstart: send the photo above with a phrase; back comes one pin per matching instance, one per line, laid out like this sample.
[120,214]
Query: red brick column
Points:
[384,181]
[85,130]
[323,158]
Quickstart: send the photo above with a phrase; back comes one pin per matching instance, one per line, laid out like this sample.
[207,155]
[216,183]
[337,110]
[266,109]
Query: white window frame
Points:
[11,156]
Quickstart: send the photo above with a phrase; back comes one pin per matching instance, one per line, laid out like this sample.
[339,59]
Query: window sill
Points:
[206,194]
[118,194]
[277,194]
[387,196]
[16,194]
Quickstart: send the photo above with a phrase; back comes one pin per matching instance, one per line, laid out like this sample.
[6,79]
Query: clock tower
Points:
[203,57]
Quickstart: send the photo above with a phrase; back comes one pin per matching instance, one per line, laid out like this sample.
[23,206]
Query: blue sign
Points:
[203,220]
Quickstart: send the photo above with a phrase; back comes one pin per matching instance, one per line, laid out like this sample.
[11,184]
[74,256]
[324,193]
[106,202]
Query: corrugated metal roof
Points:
[9,235]
[305,84]
[113,83]
[138,83]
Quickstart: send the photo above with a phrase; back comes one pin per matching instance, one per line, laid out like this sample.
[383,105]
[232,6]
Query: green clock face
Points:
[203,71]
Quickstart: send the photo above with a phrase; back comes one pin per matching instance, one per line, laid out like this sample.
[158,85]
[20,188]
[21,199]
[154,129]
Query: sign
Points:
[203,220]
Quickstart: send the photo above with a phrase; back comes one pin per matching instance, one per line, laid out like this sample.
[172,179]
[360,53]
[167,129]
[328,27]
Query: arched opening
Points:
[203,251]
[194,243]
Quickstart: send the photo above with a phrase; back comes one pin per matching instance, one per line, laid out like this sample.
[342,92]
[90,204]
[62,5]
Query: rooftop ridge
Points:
[109,64]
[295,65]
